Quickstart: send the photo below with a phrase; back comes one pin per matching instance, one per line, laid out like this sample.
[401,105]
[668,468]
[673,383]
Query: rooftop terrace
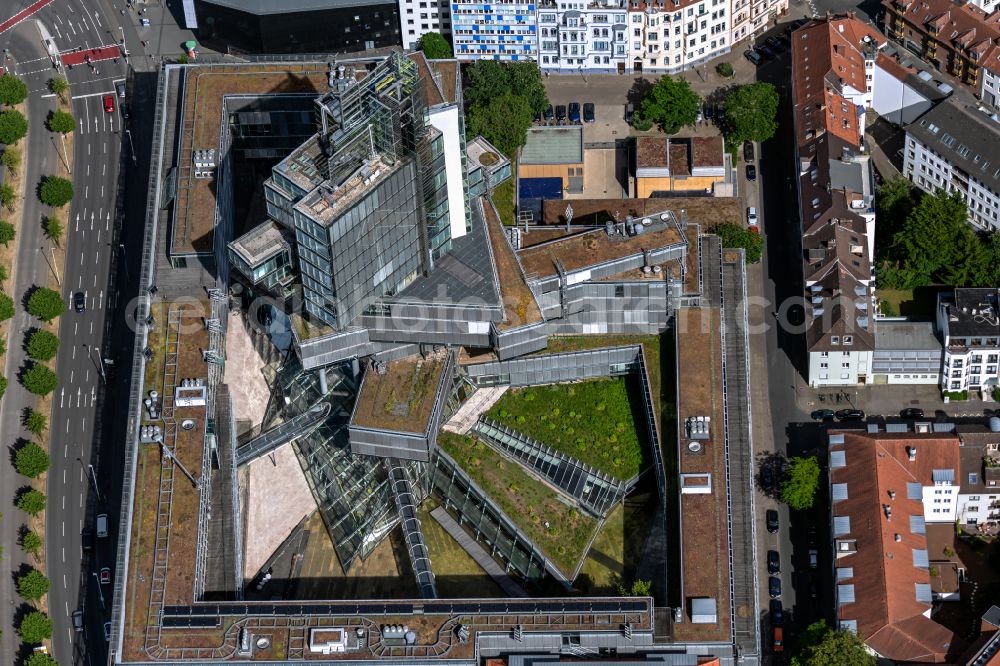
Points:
[204,90]
[326,202]
[260,243]
[402,398]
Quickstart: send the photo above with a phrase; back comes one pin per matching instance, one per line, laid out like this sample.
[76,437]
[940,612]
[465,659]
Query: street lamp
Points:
[100,361]
[93,479]
[124,47]
[100,592]
[121,246]
[131,149]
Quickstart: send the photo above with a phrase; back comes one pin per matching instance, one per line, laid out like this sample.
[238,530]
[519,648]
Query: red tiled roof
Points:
[891,67]
[889,617]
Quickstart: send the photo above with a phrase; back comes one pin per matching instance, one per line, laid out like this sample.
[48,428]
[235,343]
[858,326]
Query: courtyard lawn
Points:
[561,531]
[503,199]
[591,421]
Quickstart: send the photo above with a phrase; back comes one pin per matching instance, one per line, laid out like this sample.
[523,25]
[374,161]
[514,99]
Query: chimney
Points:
[888,512]
[892,495]
[912,451]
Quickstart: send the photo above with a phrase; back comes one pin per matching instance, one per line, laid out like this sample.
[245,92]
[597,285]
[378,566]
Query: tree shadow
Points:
[640,88]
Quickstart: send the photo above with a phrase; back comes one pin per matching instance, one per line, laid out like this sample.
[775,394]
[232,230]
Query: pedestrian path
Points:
[91,55]
[21,15]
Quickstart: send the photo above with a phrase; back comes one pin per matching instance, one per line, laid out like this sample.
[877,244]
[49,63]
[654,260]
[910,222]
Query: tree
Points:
[32,502]
[928,241]
[56,191]
[53,228]
[43,345]
[490,79]
[31,542]
[822,646]
[736,235]
[31,460]
[894,199]
[434,46]
[46,304]
[11,159]
[7,196]
[40,659]
[750,112]
[6,307]
[33,585]
[7,232]
[40,380]
[12,90]
[671,103]
[3,386]
[58,85]
[725,70]
[640,588]
[504,122]
[13,126]
[62,122]
[798,490]
[35,627]
[526,81]
[36,423]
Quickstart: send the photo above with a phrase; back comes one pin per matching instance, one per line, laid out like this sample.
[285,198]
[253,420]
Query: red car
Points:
[109,104]
[105,575]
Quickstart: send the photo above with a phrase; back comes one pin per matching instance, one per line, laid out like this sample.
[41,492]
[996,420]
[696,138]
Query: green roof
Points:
[553,145]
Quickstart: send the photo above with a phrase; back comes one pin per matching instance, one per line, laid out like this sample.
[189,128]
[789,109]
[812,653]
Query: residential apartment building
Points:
[677,35]
[979,477]
[583,36]
[954,38]
[488,31]
[417,17]
[969,321]
[957,148]
[831,64]
[893,505]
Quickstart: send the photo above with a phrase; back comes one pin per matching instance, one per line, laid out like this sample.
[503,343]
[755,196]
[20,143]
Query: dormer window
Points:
[834,339]
[848,339]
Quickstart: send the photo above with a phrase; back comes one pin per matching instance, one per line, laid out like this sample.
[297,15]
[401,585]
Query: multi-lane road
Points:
[84,436]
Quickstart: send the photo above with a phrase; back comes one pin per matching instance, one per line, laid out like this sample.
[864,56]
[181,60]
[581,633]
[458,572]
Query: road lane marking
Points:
[88,168]
[64,476]
[64,529]
[83,427]
[64,581]
[64,555]
[71,28]
[71,376]
[81,500]
[64,502]
[77,324]
[86,191]
[98,242]
[66,446]
[96,94]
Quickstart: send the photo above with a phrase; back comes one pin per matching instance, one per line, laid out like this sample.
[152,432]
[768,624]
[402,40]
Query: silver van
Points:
[102,525]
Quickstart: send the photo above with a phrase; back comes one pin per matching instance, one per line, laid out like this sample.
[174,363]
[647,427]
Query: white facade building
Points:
[417,17]
[990,89]
[979,476]
[969,321]
[957,149]
[488,31]
[576,36]
[678,34]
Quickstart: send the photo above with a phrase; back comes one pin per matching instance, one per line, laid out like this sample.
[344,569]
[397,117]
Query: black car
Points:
[560,113]
[87,538]
[79,301]
[813,589]
[751,173]
[765,51]
[822,415]
[123,107]
[748,151]
[777,613]
[811,536]
[912,413]
[772,520]
[78,620]
[776,44]
[773,562]
[588,112]
[774,587]
[629,111]
[752,56]
[574,112]
[709,111]
[767,477]
[548,114]
[851,415]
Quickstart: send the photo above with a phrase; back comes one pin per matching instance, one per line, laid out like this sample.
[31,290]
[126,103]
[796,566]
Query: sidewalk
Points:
[889,399]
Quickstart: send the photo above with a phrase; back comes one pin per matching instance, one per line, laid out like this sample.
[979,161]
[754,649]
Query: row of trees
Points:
[502,99]
[749,111]
[925,239]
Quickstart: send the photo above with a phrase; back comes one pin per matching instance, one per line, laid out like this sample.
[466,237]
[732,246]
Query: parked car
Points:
[748,151]
[765,51]
[751,216]
[912,413]
[752,56]
[851,415]
[813,589]
[751,173]
[777,613]
[105,576]
[775,43]
[822,415]
[767,477]
[773,562]
[772,520]
[548,114]
[774,587]
[123,107]
[709,111]
[629,111]
[538,117]
[778,643]
[574,112]
[120,89]
[588,112]
[102,525]
[79,301]
[813,558]
[811,536]
[107,632]
[87,539]
[560,113]
[78,620]
[109,104]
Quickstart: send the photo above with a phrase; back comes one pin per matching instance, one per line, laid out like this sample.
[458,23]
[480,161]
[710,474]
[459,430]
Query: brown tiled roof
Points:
[889,617]
[432,92]
[679,159]
[953,21]
[892,67]
[706,151]
[650,152]
[446,73]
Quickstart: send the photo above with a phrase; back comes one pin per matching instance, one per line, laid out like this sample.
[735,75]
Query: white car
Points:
[751,217]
